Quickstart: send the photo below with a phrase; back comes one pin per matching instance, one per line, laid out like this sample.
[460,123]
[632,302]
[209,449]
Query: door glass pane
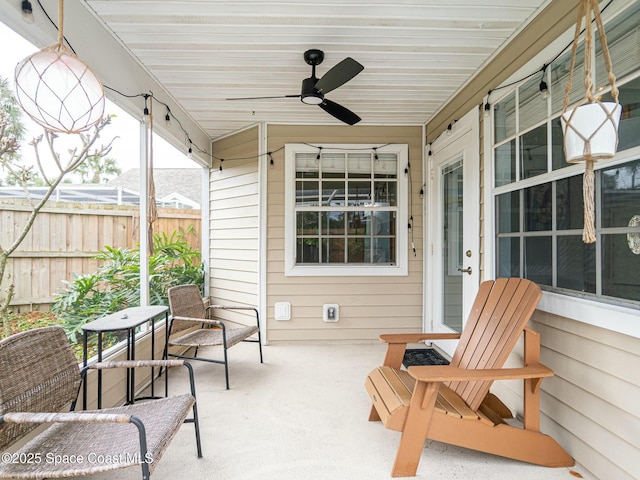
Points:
[452,246]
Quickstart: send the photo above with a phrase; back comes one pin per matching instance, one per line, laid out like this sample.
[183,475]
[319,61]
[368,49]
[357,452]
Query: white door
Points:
[454,228]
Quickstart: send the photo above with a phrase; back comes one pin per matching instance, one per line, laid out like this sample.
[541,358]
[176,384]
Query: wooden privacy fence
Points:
[66,236]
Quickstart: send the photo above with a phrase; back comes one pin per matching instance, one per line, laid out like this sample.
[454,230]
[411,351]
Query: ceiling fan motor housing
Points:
[309,94]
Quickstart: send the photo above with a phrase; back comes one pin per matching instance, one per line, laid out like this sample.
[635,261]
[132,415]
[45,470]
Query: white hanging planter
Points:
[590,132]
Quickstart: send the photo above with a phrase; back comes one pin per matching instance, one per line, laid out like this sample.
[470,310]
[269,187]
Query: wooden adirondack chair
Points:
[452,403]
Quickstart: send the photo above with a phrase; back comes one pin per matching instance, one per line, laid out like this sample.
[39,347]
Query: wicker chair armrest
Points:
[67,417]
[231,307]
[217,323]
[136,363]
[236,307]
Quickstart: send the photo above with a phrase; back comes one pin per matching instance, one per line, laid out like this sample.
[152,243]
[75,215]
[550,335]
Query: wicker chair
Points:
[188,311]
[40,378]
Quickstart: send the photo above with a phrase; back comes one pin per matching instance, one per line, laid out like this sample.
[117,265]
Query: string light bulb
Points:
[167,118]
[487,110]
[27,11]
[450,128]
[544,89]
[190,151]
[145,112]
[271,162]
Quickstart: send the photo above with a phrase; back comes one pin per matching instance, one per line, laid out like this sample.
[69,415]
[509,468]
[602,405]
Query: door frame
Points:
[464,139]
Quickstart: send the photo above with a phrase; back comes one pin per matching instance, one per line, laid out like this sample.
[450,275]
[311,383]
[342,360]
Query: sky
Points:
[126,147]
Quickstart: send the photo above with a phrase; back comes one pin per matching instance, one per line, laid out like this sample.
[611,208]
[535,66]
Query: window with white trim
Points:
[538,196]
[346,209]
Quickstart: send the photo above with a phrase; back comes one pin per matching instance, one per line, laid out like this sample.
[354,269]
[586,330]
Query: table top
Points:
[125,319]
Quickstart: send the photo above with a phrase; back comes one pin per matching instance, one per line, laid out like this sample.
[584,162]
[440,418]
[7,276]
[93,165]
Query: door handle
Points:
[465,270]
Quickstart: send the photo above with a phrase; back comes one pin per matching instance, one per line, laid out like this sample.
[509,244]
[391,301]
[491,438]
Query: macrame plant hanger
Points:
[591,123]
[57,89]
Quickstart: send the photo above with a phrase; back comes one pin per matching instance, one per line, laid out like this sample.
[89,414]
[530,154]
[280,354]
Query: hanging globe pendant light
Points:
[57,89]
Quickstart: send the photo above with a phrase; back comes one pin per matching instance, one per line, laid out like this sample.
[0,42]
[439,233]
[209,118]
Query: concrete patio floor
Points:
[302,415]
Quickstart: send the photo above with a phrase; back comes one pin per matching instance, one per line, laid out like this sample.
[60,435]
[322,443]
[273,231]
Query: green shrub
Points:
[116,284]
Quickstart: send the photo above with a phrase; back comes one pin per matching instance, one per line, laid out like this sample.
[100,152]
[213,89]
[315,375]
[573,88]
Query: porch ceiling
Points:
[416,53]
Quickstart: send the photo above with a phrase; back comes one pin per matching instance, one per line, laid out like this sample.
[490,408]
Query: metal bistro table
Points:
[124,320]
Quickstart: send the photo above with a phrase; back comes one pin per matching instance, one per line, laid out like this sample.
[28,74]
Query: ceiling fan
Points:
[314,89]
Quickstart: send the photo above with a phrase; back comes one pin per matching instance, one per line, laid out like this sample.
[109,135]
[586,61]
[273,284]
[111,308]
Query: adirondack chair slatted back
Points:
[185,301]
[498,316]
[38,373]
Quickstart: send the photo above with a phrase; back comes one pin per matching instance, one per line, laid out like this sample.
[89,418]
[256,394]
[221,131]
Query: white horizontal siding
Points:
[234,225]
[592,404]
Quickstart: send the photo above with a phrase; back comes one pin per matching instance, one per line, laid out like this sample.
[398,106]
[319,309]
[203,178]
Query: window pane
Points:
[382,250]
[557,145]
[505,163]
[538,211]
[333,165]
[307,223]
[382,223]
[307,250]
[622,40]
[576,264]
[359,194]
[307,165]
[533,107]
[333,250]
[359,165]
[357,223]
[620,194]
[537,260]
[533,152]
[630,120]
[508,212]
[386,194]
[620,267]
[505,118]
[333,194]
[386,166]
[559,76]
[307,193]
[569,202]
[356,253]
[333,223]
[508,257]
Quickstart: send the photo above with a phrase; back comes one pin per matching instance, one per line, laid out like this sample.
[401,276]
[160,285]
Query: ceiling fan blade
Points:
[341,113]
[338,75]
[262,98]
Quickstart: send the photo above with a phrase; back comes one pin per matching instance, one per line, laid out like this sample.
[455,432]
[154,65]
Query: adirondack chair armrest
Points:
[399,338]
[445,373]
